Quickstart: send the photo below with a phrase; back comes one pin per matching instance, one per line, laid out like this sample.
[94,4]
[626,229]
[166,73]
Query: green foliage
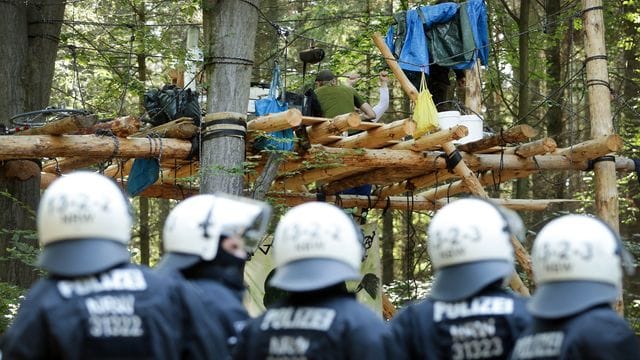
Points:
[10,298]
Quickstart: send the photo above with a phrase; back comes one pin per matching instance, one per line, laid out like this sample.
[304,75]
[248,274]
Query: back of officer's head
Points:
[576,264]
[316,245]
[84,225]
[195,228]
[470,248]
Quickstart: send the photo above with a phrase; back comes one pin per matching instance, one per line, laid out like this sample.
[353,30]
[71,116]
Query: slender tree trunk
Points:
[387,247]
[28,50]
[144,230]
[524,99]
[408,258]
[230,31]
[164,207]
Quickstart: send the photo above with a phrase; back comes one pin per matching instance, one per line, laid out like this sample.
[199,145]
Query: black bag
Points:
[170,103]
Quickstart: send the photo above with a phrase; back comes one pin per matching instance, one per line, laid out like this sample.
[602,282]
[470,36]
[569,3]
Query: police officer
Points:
[577,267]
[94,304]
[316,248]
[206,238]
[468,314]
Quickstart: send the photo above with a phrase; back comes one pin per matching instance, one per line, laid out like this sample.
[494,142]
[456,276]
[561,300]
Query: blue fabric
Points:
[415,55]
[358,190]
[277,140]
[144,173]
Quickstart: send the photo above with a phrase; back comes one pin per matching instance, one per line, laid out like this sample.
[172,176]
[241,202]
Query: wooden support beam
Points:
[276,122]
[593,148]
[121,127]
[538,147]
[319,174]
[418,182]
[38,146]
[364,125]
[429,141]
[406,85]
[322,133]
[182,128]
[66,125]
[418,203]
[457,187]
[516,134]
[378,137]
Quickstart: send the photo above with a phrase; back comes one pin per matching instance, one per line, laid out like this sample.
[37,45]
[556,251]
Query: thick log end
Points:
[409,126]
[459,131]
[294,117]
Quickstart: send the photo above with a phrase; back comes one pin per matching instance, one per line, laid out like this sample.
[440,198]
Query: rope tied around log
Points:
[225,126]
[593,8]
[155,141]
[591,163]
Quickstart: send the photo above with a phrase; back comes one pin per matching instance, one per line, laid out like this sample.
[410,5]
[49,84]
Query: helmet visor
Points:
[243,217]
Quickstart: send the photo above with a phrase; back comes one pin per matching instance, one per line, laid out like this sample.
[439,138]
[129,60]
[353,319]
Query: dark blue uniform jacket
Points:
[484,326]
[596,334]
[127,312]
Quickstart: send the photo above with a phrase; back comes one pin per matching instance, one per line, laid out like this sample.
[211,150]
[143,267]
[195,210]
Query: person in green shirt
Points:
[336,99]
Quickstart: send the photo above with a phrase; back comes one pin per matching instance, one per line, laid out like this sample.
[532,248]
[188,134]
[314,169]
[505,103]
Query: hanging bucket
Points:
[474,124]
[448,119]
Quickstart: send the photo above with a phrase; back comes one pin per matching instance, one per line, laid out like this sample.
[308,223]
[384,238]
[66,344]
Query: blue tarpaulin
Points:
[414,55]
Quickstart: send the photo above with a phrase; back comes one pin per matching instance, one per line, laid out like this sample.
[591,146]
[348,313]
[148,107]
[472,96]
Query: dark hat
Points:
[325,75]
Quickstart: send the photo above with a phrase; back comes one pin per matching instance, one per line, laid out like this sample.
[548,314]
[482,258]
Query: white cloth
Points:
[383,103]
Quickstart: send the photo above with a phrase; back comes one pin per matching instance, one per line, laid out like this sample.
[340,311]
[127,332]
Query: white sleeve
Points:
[383,103]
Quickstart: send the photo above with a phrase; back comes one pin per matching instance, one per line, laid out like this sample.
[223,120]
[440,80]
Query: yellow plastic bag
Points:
[425,113]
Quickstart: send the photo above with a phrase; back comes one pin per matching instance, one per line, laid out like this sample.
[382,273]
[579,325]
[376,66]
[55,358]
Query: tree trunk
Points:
[599,96]
[230,30]
[387,247]
[524,100]
[27,56]
[144,230]
[408,258]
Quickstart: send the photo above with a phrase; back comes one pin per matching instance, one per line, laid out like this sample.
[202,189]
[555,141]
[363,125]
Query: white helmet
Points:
[576,264]
[470,247]
[316,245]
[193,229]
[84,224]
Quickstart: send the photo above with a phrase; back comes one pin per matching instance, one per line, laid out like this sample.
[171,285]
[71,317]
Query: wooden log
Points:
[418,182]
[65,165]
[431,140]
[378,137]
[182,128]
[46,179]
[457,187]
[593,148]
[538,147]
[121,127]
[364,125]
[322,133]
[311,176]
[418,203]
[15,147]
[65,125]
[599,95]
[276,122]
[462,170]
[516,134]
[406,85]
[119,169]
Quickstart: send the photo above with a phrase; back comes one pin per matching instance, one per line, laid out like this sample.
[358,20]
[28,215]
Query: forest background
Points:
[110,52]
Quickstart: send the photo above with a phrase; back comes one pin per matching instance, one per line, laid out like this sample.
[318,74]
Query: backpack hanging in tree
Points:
[170,103]
[425,113]
[277,140]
